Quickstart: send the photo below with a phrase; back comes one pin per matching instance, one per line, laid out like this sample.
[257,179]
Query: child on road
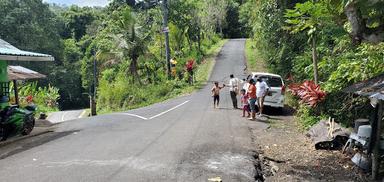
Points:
[216,94]
[244,102]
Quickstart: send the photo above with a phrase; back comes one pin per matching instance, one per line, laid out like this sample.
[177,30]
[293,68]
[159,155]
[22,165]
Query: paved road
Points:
[183,139]
[61,116]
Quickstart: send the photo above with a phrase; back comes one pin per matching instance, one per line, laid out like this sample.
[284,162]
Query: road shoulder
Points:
[37,131]
[287,154]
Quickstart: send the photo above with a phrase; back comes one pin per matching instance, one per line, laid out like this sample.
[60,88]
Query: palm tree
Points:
[130,41]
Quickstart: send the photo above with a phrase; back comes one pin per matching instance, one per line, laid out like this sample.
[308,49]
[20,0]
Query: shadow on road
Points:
[20,146]
[271,111]
[226,108]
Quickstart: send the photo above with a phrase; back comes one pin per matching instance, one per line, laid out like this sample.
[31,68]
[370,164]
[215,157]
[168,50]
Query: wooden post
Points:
[16,90]
[376,147]
[314,59]
[93,106]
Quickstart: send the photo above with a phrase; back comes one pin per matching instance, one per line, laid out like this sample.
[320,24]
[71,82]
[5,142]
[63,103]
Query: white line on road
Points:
[134,115]
[155,116]
[82,113]
[63,116]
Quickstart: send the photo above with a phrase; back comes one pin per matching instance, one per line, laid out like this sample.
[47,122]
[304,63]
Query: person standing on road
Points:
[262,90]
[233,89]
[252,98]
[246,84]
[245,102]
[216,94]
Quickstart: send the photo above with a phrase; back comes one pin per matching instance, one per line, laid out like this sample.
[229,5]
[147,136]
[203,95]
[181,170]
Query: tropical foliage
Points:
[340,39]
[308,92]
[44,97]
[125,39]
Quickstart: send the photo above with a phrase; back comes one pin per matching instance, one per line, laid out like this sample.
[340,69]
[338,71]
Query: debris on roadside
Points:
[328,135]
[297,159]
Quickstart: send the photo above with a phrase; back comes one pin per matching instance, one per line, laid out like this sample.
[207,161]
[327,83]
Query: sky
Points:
[80,2]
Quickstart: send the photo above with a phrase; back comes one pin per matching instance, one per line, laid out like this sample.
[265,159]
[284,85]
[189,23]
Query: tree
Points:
[308,17]
[129,40]
[213,15]
[233,28]
[30,25]
[366,18]
[77,19]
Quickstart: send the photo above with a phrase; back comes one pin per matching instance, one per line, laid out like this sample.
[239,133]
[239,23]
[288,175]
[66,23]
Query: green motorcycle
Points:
[15,120]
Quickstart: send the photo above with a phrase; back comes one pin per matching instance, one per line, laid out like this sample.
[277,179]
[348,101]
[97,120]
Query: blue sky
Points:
[80,2]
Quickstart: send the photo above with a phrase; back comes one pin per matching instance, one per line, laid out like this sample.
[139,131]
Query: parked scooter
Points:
[15,121]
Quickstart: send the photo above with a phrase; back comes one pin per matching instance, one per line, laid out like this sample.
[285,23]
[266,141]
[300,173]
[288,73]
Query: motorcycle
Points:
[15,121]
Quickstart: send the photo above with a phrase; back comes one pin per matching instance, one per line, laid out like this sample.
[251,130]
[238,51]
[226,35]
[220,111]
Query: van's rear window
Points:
[272,81]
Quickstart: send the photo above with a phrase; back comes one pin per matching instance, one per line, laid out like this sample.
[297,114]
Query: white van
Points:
[275,96]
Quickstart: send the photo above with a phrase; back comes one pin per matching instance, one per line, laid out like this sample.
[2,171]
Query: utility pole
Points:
[166,32]
[93,88]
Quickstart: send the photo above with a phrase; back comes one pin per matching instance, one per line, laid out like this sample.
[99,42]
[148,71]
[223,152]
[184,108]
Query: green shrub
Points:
[44,97]
[306,116]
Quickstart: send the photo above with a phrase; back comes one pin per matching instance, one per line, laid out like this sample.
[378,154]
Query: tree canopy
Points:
[345,47]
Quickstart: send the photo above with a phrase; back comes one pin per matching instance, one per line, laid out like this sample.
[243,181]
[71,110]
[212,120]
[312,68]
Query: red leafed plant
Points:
[190,65]
[309,92]
[29,99]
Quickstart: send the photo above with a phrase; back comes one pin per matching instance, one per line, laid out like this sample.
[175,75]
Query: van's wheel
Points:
[28,125]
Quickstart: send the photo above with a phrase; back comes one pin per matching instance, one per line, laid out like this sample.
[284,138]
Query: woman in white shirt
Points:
[261,91]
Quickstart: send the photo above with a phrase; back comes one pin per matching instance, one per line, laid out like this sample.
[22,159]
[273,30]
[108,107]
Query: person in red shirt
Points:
[252,98]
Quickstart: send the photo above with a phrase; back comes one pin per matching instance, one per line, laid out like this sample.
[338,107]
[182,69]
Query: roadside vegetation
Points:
[43,97]
[126,39]
[287,34]
[113,97]
[325,41]
[254,60]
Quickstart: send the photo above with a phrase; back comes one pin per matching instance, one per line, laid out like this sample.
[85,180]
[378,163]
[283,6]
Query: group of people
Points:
[252,93]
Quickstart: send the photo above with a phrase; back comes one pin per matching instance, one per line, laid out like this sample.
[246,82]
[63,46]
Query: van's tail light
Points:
[282,90]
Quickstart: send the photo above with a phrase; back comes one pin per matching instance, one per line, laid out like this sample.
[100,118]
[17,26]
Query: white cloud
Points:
[80,2]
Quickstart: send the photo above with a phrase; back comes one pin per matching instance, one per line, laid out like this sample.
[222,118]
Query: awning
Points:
[372,88]
[21,73]
[9,52]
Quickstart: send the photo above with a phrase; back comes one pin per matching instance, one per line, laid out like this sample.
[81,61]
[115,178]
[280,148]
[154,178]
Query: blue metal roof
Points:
[9,52]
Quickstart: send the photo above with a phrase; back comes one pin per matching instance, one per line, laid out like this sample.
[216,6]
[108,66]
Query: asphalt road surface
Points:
[62,116]
[183,139]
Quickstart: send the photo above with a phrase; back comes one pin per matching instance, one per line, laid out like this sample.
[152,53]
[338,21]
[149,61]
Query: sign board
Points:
[165,29]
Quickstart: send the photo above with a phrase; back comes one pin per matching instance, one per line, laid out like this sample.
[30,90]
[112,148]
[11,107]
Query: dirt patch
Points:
[288,155]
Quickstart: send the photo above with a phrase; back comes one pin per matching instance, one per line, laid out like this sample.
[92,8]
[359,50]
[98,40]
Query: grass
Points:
[253,57]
